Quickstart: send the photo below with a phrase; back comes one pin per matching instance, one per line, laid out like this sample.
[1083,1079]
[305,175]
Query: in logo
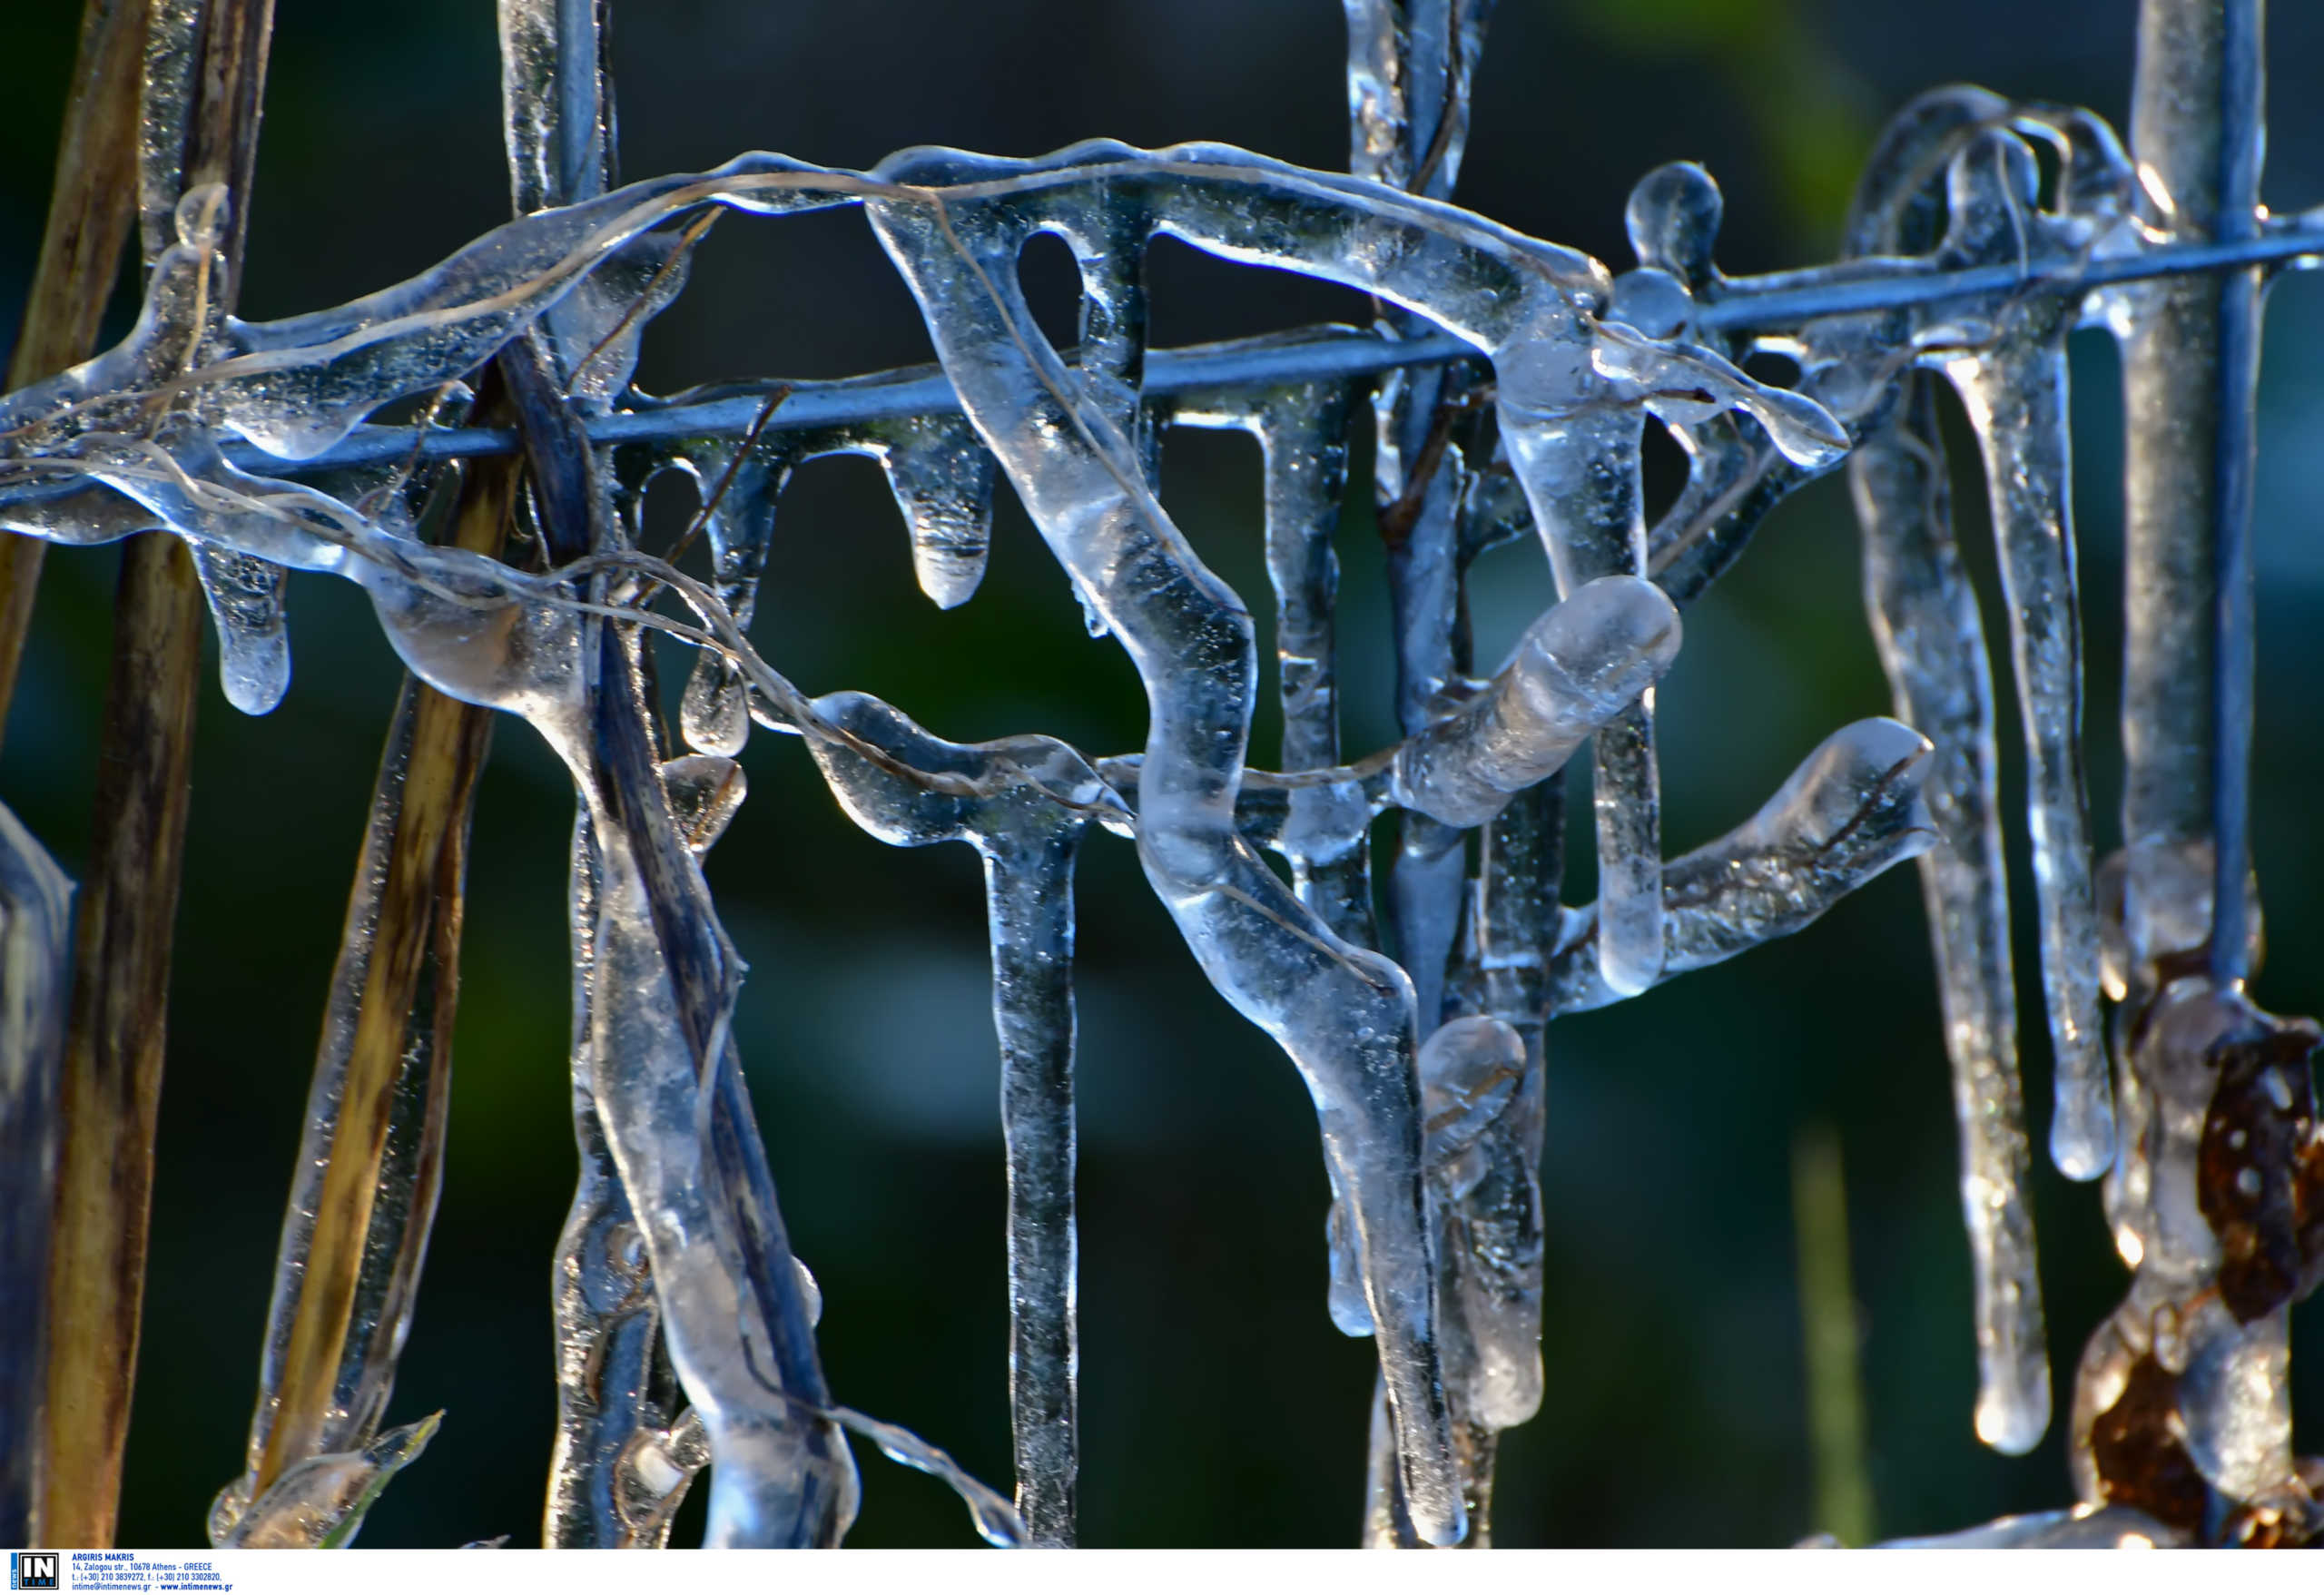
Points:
[31,1569]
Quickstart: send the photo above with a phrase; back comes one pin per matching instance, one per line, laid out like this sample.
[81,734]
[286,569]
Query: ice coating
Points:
[671,1100]
[1409,69]
[1471,1070]
[1345,1016]
[1579,361]
[1409,64]
[363,1199]
[1852,809]
[36,980]
[1574,671]
[1035,797]
[623,1457]
[2180,1403]
[318,1504]
[1087,507]
[942,478]
[1301,433]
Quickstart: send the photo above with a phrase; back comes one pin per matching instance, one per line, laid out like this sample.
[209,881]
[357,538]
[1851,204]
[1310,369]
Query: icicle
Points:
[2014,385]
[1925,618]
[1035,796]
[1301,433]
[245,596]
[1851,810]
[35,964]
[1325,830]
[740,485]
[942,478]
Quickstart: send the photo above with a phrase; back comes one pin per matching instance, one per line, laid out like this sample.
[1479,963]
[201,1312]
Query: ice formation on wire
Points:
[686,1329]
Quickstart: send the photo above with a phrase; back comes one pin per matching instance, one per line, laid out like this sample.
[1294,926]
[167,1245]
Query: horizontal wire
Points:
[1780,300]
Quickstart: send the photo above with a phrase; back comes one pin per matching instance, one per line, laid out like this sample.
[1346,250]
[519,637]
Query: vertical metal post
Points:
[2241,147]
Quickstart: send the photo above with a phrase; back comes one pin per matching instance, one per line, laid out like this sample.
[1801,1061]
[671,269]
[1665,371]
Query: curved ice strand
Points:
[1343,1015]
[296,387]
[35,985]
[2015,390]
[1325,836]
[1028,828]
[1851,810]
[1575,672]
[1574,669]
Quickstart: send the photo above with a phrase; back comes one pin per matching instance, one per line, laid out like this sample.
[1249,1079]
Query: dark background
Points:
[1219,1405]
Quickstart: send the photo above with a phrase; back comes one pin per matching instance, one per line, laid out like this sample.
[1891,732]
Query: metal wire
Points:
[1744,304]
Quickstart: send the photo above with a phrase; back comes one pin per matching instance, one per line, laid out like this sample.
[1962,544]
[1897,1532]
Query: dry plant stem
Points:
[419,917]
[113,1062]
[90,207]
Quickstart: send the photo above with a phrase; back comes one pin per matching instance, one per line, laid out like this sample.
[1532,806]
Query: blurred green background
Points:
[1219,1405]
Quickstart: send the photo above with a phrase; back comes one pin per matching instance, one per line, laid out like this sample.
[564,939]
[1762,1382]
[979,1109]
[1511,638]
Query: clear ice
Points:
[686,1328]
